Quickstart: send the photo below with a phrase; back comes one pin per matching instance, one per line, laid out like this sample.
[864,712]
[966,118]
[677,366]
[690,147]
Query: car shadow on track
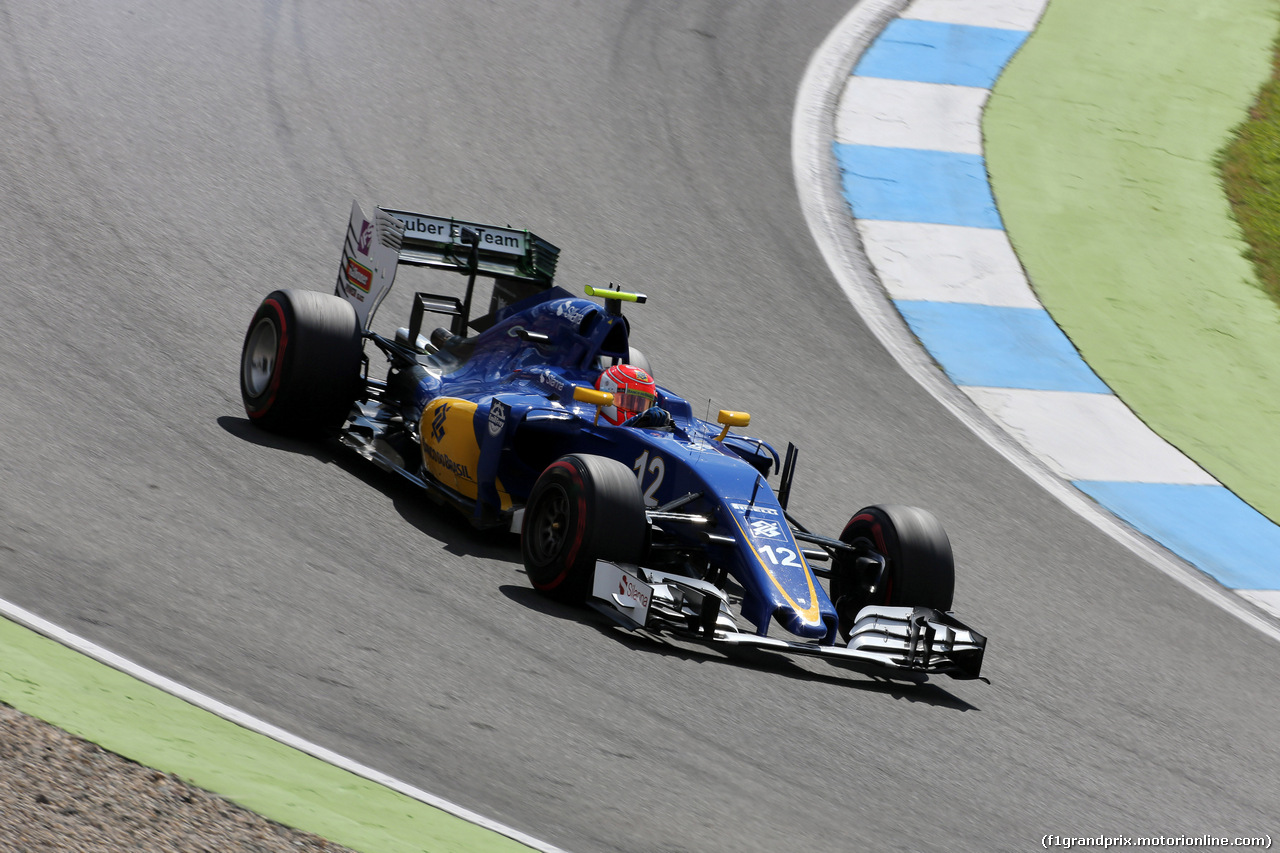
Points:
[442,523]
[450,528]
[762,661]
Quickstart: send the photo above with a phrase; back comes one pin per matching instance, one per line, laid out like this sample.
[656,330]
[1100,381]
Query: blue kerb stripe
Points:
[995,347]
[911,185]
[931,52]
[1207,526]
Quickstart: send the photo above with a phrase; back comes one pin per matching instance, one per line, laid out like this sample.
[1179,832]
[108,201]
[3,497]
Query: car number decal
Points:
[788,556]
[656,468]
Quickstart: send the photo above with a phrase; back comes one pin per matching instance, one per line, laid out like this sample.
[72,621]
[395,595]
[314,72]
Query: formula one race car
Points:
[541,417]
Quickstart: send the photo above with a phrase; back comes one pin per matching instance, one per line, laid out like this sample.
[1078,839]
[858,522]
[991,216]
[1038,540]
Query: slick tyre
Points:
[300,364]
[919,566]
[581,509]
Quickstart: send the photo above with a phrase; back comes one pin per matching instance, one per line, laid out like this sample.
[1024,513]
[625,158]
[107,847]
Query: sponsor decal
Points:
[358,275]
[551,380]
[572,313]
[505,240]
[457,469]
[625,593]
[501,241]
[766,529]
[437,229]
[437,423]
[498,417]
[763,510]
[450,448]
[629,588]
[773,557]
[366,237]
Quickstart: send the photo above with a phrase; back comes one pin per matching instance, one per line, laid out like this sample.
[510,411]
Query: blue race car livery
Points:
[623,499]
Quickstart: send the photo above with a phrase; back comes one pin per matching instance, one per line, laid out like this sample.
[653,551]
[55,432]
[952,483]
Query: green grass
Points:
[1104,142]
[1250,166]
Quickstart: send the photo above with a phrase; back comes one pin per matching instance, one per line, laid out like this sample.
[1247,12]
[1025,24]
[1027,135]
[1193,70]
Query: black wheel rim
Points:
[864,586]
[853,590]
[550,525]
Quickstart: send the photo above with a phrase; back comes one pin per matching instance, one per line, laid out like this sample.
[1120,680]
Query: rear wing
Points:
[432,241]
[520,262]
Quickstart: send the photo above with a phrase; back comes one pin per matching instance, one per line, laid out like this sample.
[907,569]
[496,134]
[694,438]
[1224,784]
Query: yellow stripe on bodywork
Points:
[449,446]
[812,613]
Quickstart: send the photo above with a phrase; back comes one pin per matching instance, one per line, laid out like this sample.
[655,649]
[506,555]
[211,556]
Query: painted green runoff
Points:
[116,711]
[1101,140]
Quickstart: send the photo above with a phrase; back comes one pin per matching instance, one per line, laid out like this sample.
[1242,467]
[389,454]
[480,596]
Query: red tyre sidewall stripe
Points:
[274,387]
[576,493]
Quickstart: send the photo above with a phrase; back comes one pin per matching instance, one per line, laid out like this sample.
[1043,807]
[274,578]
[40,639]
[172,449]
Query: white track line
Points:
[207,703]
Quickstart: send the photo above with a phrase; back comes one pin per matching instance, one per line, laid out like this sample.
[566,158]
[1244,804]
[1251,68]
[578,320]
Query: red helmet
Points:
[632,389]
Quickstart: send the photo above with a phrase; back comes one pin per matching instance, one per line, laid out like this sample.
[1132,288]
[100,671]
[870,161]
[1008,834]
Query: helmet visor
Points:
[633,400]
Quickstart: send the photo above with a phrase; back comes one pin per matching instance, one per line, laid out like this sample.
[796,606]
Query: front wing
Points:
[894,642]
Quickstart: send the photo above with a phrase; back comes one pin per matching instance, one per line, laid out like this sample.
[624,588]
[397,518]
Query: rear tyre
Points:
[919,566]
[583,508]
[300,364]
[635,358]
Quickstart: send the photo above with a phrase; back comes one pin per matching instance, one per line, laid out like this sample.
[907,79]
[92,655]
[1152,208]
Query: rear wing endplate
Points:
[377,245]
[369,258]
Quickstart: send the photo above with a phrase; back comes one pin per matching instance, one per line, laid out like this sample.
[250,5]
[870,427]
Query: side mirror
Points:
[592,397]
[731,419]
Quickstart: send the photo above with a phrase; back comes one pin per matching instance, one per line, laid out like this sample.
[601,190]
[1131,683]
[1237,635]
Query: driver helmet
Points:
[633,392]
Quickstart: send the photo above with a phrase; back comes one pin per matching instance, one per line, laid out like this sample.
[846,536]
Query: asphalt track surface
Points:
[168,165]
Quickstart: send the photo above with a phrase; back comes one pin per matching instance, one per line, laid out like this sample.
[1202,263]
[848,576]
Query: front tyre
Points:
[583,508]
[919,569]
[300,364]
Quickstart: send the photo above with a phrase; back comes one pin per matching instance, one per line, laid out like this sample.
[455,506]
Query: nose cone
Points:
[798,623]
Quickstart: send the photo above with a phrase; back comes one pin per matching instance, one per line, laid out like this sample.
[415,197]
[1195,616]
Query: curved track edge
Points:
[835,230]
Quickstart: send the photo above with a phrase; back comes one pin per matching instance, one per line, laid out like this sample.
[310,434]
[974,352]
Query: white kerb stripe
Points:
[1002,14]
[946,263]
[1267,599]
[907,114]
[1087,436]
